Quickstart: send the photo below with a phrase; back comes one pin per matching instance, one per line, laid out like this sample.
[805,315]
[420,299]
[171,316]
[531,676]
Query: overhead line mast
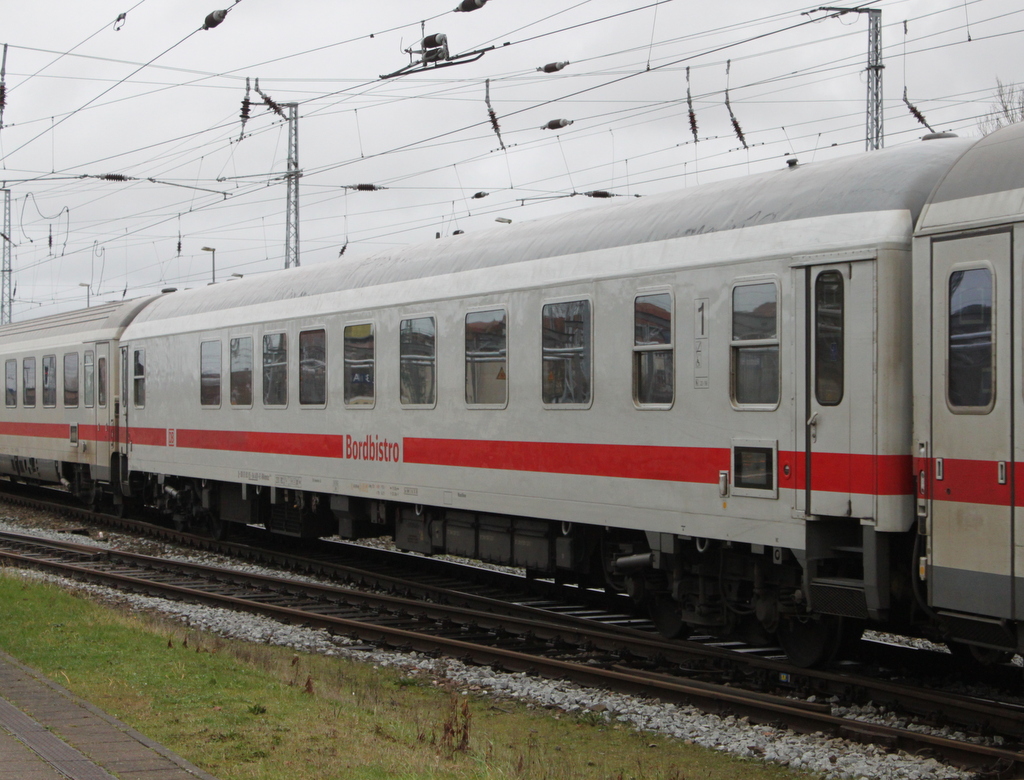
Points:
[6,296]
[291,238]
[874,137]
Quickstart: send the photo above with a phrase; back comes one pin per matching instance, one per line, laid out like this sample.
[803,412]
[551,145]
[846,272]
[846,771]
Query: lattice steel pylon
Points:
[291,238]
[6,298]
[874,136]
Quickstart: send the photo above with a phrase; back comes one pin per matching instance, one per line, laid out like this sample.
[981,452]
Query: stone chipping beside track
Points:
[820,753]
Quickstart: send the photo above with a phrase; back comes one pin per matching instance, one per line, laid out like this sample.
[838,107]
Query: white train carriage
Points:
[968,402]
[702,398]
[59,421]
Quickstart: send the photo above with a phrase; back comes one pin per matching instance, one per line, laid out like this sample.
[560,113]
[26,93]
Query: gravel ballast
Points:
[830,756]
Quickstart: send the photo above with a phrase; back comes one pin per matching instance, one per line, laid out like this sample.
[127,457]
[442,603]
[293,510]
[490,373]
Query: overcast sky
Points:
[156,99]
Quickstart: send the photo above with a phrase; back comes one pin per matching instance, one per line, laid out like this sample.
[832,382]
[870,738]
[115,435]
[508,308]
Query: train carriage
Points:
[968,403]
[59,422]
[701,398]
[778,405]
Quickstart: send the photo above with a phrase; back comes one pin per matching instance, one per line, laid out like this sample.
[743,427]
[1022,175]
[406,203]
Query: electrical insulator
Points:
[470,5]
[435,41]
[364,187]
[435,55]
[481,194]
[598,194]
[556,124]
[213,19]
[553,67]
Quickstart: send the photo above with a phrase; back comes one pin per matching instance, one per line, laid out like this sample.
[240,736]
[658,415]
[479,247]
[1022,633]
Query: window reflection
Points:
[970,355]
[241,371]
[11,372]
[486,357]
[359,364]
[417,379]
[71,379]
[275,369]
[313,367]
[829,347]
[209,373]
[28,368]
[755,348]
[653,365]
[565,351]
[49,380]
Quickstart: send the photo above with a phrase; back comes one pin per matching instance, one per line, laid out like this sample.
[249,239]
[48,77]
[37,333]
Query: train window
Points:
[28,372]
[49,380]
[275,369]
[829,347]
[970,357]
[755,344]
[565,353]
[359,367]
[101,382]
[653,364]
[71,380]
[11,372]
[754,468]
[313,367]
[241,371]
[89,379]
[417,361]
[487,358]
[209,373]
[139,377]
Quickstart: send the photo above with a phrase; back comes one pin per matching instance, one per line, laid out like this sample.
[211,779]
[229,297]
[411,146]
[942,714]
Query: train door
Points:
[836,419]
[106,422]
[972,539]
[122,405]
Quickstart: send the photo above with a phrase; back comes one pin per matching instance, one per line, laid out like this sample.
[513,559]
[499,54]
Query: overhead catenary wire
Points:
[566,140]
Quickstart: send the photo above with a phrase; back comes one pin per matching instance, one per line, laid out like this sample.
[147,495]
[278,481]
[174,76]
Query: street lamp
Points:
[88,290]
[214,250]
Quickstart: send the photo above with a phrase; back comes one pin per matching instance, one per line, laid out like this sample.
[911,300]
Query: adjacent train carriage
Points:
[59,422]
[968,394]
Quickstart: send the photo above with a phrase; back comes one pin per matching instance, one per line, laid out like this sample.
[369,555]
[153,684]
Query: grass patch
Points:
[253,712]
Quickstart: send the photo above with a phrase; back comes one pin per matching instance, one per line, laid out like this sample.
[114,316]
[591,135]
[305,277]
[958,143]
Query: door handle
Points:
[812,424]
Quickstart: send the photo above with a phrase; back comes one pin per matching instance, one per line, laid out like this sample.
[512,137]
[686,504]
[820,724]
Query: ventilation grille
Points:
[839,600]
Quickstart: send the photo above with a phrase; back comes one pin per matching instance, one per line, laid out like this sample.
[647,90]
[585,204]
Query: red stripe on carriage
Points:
[674,464]
[844,473]
[970,482]
[311,445]
[887,475]
[57,431]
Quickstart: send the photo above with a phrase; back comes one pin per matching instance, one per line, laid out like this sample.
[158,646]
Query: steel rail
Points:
[759,707]
[970,713]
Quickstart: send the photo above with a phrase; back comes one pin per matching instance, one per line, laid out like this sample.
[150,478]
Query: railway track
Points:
[550,644]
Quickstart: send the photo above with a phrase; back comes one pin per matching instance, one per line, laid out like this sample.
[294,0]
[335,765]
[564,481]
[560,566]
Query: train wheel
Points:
[218,526]
[669,621]
[984,657]
[812,641]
